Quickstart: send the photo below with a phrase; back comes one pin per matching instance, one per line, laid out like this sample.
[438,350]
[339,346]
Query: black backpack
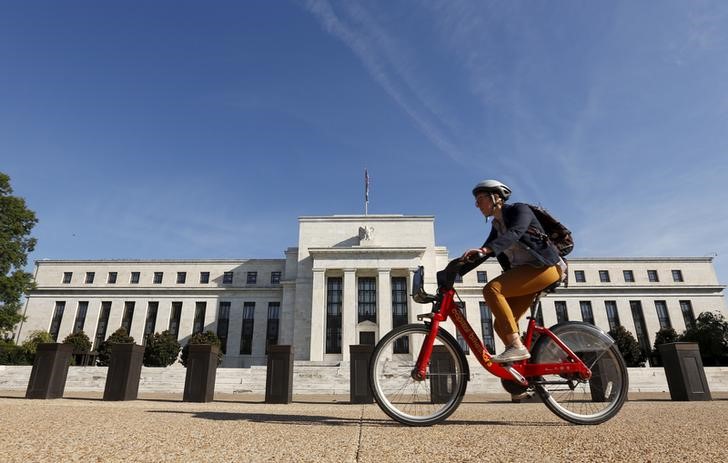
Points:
[556,232]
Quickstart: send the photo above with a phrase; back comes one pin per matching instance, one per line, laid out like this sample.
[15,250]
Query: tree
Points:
[711,334]
[16,222]
[161,350]
[208,337]
[628,346]
[119,336]
[664,336]
[31,342]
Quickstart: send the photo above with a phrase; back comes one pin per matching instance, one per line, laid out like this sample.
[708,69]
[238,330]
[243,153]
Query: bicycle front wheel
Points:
[412,401]
[580,401]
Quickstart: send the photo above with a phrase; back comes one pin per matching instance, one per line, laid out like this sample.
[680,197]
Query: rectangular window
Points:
[458,278]
[539,314]
[134,278]
[199,324]
[227,278]
[677,276]
[686,307]
[271,331]
[181,278]
[252,278]
[652,276]
[204,277]
[612,314]
[275,278]
[333,315]
[586,311]
[223,322]
[579,276]
[80,316]
[482,276]
[158,277]
[57,318]
[399,312]
[246,334]
[604,276]
[662,315]
[562,315]
[367,299]
[112,278]
[151,321]
[90,277]
[102,324]
[174,319]
[128,316]
[628,276]
[67,277]
[486,324]
[461,340]
[640,327]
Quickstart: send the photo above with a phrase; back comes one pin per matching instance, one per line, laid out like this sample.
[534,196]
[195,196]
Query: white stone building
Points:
[347,282]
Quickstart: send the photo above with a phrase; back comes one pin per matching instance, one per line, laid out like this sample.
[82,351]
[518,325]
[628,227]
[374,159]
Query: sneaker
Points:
[512,354]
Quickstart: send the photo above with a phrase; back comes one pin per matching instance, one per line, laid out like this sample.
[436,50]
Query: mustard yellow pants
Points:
[511,294]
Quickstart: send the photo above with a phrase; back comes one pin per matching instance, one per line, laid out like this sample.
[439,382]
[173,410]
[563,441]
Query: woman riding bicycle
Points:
[530,263]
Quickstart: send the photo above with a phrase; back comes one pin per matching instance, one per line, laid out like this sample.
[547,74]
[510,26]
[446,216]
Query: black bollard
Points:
[360,392]
[201,370]
[50,369]
[684,371]
[279,375]
[442,375]
[125,369]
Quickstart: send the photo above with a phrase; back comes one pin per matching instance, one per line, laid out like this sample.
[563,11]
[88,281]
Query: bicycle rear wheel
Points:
[580,401]
[406,399]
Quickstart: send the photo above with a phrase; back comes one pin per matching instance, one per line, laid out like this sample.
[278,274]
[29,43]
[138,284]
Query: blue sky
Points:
[181,129]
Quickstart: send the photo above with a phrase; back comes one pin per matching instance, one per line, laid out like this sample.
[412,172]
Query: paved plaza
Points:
[82,427]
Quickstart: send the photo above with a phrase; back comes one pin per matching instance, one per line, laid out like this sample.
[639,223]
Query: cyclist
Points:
[530,264]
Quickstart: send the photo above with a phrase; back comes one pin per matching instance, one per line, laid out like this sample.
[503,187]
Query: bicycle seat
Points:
[421,297]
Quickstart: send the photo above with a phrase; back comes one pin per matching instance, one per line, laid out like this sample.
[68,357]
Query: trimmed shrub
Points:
[119,336]
[711,334]
[31,343]
[80,341]
[161,350]
[12,354]
[628,346]
[664,336]
[208,337]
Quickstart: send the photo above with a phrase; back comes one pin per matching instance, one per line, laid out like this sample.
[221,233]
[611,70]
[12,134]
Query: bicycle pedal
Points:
[516,375]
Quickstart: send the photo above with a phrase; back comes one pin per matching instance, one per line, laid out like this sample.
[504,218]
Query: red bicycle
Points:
[418,372]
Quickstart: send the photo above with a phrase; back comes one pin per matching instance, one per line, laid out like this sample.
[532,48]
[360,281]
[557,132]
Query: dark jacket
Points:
[518,219]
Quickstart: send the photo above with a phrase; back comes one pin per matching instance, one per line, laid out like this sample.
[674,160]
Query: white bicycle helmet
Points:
[493,186]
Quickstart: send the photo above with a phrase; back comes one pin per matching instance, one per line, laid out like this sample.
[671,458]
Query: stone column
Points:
[318,315]
[349,312]
[384,302]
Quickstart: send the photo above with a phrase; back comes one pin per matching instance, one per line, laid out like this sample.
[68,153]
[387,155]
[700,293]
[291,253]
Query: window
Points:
[628,276]
[586,311]
[80,316]
[90,277]
[652,276]
[604,276]
[112,278]
[461,340]
[174,319]
[271,331]
[67,277]
[275,278]
[223,322]
[333,315]
[458,278]
[482,276]
[246,334]
[562,315]
[399,312]
[367,299]
[579,276]
[686,307]
[181,278]
[204,277]
[134,278]
[227,278]
[128,316]
[677,276]
[539,314]
[151,321]
[612,315]
[158,277]
[198,325]
[56,321]
[252,278]
[640,327]
[662,315]
[102,324]
[486,324]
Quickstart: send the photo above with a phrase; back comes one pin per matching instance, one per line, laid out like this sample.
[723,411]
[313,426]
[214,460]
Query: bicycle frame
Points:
[520,371]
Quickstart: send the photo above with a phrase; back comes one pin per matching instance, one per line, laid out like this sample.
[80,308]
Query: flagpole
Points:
[366,192]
